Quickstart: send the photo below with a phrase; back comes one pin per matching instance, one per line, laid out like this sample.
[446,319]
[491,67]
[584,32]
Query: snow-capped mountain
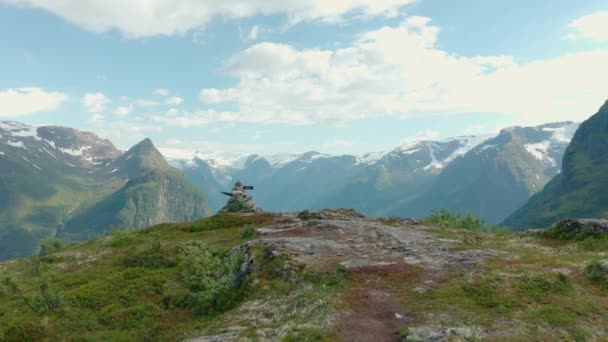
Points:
[59,181]
[66,145]
[499,175]
[395,181]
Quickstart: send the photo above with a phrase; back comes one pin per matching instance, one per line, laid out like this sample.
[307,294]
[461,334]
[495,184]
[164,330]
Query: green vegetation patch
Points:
[225,221]
[452,220]
[587,238]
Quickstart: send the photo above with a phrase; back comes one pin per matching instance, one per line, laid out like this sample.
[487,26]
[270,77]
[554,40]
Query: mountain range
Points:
[62,182]
[489,176]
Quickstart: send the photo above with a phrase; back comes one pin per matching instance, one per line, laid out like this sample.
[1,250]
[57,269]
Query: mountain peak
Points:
[140,159]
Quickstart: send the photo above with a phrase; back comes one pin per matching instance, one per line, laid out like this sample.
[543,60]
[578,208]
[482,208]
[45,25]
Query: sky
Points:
[275,76]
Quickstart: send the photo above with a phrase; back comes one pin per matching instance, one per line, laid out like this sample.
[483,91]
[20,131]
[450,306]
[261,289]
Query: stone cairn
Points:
[239,201]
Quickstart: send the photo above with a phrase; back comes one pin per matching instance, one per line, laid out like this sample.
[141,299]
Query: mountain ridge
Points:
[579,191]
[48,174]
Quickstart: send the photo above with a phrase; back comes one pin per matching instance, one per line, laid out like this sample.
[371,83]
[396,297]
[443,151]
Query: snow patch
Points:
[540,151]
[75,152]
[435,164]
[36,166]
[486,147]
[369,158]
[18,144]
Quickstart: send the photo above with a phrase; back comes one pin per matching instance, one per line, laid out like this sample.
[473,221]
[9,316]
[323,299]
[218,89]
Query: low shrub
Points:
[152,257]
[213,278]
[447,219]
[120,238]
[48,246]
[248,232]
[587,239]
[597,273]
[539,287]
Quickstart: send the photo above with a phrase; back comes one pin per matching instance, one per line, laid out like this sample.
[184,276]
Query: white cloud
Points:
[162,92]
[169,17]
[399,71]
[147,103]
[22,101]
[174,101]
[95,102]
[123,110]
[593,26]
[173,142]
[194,119]
[215,96]
[253,33]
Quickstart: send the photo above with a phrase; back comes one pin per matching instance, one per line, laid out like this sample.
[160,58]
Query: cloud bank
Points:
[169,17]
[16,102]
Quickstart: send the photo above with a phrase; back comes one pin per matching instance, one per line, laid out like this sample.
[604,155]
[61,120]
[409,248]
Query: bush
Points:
[152,258]
[25,331]
[248,232]
[588,239]
[447,219]
[597,273]
[214,279]
[48,246]
[120,238]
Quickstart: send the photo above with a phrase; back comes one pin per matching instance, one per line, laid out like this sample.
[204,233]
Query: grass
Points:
[165,283]
[520,288]
[176,281]
[130,285]
[586,238]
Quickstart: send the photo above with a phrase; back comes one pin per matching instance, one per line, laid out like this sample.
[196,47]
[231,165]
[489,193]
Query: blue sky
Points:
[265,76]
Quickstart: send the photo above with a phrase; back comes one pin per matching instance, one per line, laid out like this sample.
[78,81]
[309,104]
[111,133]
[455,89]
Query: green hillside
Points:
[224,277]
[161,195]
[580,190]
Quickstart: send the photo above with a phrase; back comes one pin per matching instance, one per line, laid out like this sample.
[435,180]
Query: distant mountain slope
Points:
[463,174]
[498,176]
[161,195]
[50,173]
[374,183]
[45,174]
[155,194]
[581,190]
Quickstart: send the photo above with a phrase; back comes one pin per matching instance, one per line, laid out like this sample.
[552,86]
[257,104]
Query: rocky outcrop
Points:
[587,226]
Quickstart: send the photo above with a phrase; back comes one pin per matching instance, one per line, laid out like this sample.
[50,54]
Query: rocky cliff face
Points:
[579,191]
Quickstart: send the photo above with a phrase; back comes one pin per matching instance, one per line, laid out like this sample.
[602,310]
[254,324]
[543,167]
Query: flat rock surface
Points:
[368,248]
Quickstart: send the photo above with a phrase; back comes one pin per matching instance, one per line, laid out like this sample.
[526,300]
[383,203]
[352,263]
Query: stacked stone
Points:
[239,201]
